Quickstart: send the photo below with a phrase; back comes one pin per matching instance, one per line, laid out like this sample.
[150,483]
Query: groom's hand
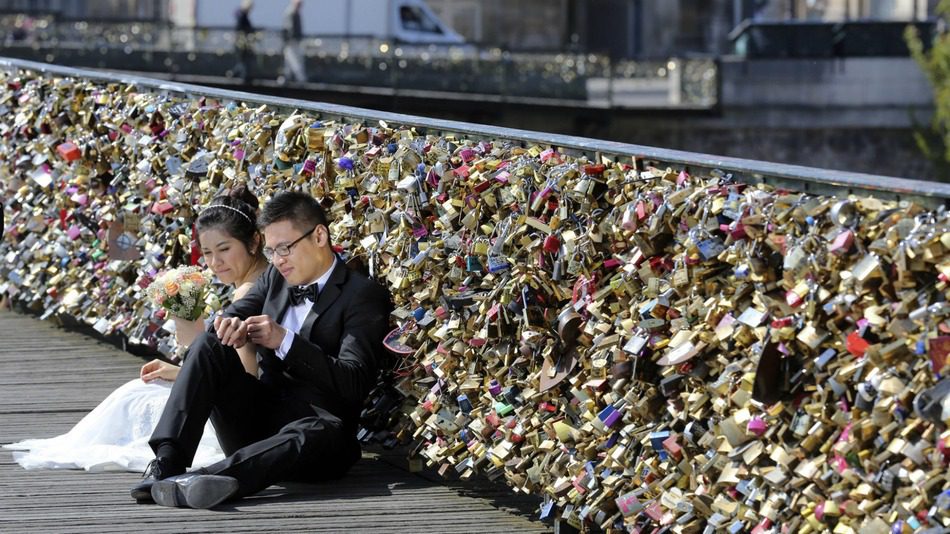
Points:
[231,331]
[264,332]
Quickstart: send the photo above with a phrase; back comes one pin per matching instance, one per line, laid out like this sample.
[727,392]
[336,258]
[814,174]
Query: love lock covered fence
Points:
[639,336]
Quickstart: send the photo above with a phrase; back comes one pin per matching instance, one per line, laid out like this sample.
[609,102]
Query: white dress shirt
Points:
[295,315]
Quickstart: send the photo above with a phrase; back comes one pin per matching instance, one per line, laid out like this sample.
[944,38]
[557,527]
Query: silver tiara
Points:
[235,210]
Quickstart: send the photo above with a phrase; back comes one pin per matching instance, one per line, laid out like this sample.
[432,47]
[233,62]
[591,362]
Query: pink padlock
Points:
[629,221]
[757,426]
[842,243]
[793,299]
[820,511]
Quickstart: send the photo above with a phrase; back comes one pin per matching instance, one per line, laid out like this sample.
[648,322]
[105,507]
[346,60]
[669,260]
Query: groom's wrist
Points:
[284,347]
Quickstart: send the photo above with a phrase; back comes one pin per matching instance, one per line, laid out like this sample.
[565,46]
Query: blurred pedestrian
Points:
[293,54]
[243,41]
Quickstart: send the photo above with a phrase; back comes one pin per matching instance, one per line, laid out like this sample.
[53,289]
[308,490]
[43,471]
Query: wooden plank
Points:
[50,378]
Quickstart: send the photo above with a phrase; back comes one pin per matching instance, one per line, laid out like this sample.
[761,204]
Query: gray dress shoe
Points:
[194,490]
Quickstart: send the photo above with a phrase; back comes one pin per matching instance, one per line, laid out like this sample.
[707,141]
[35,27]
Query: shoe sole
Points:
[203,491]
[143,495]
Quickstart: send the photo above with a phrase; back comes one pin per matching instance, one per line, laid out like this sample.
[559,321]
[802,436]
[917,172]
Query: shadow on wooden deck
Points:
[49,378]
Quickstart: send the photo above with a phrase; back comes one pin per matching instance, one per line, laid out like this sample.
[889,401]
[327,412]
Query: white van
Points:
[400,21]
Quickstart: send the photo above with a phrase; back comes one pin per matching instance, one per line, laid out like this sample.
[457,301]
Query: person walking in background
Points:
[243,46]
[293,33]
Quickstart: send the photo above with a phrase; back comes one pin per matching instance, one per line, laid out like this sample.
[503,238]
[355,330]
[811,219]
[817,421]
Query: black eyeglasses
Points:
[284,250]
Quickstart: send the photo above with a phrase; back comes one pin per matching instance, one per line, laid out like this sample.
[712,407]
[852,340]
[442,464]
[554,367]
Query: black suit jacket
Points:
[334,360]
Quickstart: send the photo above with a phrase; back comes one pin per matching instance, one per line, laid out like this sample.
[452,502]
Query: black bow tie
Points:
[300,293]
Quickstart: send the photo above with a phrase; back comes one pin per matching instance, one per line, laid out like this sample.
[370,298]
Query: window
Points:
[413,18]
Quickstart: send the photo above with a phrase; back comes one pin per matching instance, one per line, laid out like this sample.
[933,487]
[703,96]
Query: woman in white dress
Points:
[114,436]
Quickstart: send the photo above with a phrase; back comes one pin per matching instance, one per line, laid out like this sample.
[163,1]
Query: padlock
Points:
[472,264]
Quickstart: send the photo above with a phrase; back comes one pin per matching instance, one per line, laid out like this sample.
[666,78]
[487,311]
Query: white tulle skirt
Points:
[114,436]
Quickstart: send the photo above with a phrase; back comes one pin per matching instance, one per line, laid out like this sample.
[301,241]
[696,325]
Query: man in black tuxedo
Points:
[318,328]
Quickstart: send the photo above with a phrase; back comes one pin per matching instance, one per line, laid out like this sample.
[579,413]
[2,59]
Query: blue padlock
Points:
[511,395]
[464,404]
[656,440]
[497,264]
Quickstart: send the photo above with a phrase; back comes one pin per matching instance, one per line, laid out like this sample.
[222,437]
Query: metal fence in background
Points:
[593,80]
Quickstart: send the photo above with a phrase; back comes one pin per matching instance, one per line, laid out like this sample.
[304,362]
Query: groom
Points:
[318,328]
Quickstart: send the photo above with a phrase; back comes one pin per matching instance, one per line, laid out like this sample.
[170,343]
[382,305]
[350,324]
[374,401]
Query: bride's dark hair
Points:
[235,213]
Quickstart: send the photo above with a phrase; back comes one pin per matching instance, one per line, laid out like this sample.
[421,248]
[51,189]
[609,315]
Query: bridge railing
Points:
[795,177]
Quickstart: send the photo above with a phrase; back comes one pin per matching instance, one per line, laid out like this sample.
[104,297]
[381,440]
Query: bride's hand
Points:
[159,369]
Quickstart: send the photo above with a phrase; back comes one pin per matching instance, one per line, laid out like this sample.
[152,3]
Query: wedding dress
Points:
[114,436]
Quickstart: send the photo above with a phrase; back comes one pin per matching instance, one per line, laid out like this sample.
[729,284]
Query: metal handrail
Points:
[796,177]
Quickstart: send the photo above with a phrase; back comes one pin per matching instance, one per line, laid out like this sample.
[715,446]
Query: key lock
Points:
[811,298]
[680,273]
[413,215]
[418,196]
[923,233]
[578,256]
[709,246]
[630,219]
[754,264]
[497,324]
[399,274]
[535,242]
[523,170]
[470,212]
[496,258]
[477,247]
[658,217]
[736,230]
[377,221]
[410,250]
[550,188]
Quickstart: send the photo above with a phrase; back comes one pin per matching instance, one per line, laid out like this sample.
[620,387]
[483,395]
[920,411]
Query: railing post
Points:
[610,82]
[674,70]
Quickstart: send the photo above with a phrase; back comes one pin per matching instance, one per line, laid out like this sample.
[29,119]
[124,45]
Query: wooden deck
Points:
[50,377]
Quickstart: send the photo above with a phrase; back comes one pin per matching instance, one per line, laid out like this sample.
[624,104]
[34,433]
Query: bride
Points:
[114,436]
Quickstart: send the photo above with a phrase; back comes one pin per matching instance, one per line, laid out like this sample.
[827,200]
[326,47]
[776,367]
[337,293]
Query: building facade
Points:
[648,29]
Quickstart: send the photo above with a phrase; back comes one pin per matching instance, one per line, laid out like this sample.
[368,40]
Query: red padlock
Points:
[69,151]
[551,244]
[595,169]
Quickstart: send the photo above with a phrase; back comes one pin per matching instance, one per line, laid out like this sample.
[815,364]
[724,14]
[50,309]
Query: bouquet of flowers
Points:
[181,291]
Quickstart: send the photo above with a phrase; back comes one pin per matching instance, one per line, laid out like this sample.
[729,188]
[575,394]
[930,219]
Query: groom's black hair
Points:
[302,210]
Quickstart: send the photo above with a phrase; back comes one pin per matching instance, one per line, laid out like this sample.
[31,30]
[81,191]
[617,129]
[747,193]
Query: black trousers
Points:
[268,435]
